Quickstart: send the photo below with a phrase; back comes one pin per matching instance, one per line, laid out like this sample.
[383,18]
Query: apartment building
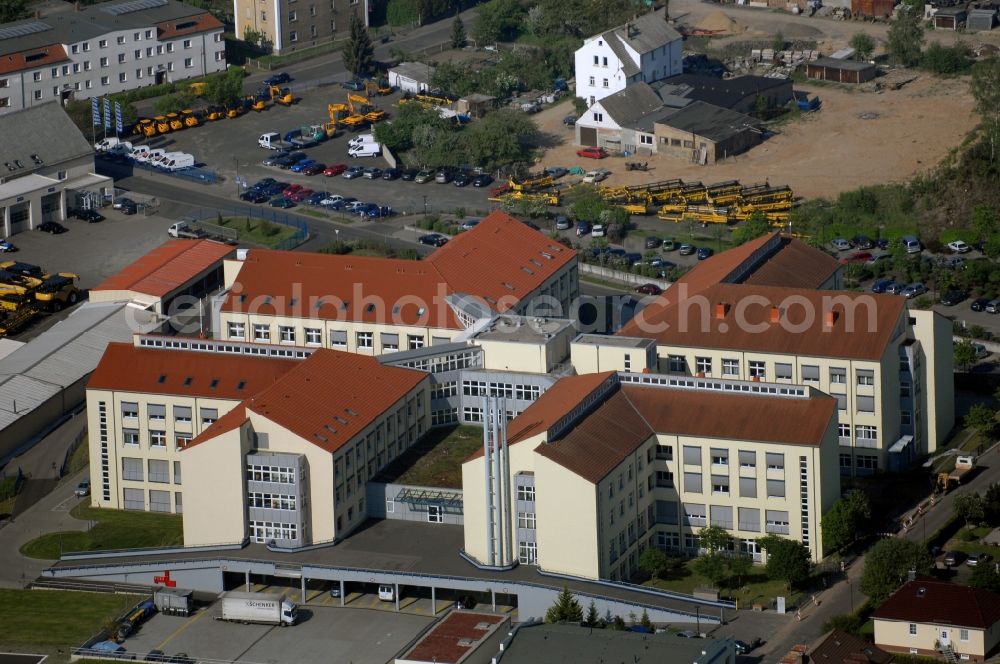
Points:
[649,460]
[888,367]
[645,49]
[46,169]
[263,443]
[106,48]
[373,306]
[288,25]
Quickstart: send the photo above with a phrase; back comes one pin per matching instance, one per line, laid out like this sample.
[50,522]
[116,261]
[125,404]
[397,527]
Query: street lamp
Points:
[425,205]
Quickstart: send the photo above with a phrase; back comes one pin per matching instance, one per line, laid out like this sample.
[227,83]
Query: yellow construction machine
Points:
[354,119]
[280,95]
[58,291]
[176,124]
[360,105]
[189,118]
[162,125]
[146,127]
[213,113]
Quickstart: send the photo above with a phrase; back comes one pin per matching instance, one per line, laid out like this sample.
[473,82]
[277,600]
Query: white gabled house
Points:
[611,122]
[645,49]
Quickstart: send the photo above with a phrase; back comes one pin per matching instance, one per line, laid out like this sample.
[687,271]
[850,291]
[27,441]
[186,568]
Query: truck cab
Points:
[58,291]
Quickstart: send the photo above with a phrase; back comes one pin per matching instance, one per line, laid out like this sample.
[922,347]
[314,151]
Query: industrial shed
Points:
[981,20]
[705,134]
[949,18]
[412,77]
[840,71]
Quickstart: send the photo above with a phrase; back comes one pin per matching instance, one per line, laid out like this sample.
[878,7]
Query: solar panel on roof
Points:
[24,29]
[133,6]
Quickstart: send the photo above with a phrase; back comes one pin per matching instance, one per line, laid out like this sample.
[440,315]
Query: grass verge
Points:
[80,456]
[259,231]
[112,529]
[57,617]
[436,460]
[755,588]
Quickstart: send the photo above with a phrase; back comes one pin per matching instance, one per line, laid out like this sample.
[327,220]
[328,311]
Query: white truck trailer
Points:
[263,608]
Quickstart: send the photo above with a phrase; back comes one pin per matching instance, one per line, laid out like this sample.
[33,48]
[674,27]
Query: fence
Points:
[274,216]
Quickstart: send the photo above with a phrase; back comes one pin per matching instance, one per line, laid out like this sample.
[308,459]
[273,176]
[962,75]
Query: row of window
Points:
[758,369]
[157,440]
[271,501]
[963,634]
[158,413]
[136,36]
[861,432]
[88,84]
[156,470]
[313,336]
[475,414]
[262,532]
[279,474]
[861,461]
[482,388]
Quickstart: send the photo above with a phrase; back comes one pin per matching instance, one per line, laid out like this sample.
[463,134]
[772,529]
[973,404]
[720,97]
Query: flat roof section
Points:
[523,329]
[618,342]
[435,461]
[168,268]
[454,637]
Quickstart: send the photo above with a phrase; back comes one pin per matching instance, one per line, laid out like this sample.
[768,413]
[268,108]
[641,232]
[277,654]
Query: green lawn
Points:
[959,542]
[80,456]
[57,617]
[756,588]
[436,461]
[259,231]
[113,529]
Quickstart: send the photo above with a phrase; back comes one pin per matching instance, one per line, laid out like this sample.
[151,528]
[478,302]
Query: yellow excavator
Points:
[280,95]
[337,113]
[189,118]
[146,127]
[176,124]
[213,113]
[162,125]
[355,119]
[365,107]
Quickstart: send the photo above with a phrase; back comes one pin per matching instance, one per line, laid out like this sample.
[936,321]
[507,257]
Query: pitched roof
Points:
[843,648]
[500,261]
[646,33]
[796,265]
[128,368]
[847,65]
[729,266]
[722,92]
[13,62]
[629,68]
[631,104]
[712,122]
[739,316]
[167,267]
[44,130]
[599,441]
[200,23]
[926,600]
[331,396]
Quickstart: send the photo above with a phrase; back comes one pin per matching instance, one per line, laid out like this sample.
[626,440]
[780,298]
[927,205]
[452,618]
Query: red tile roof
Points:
[721,267]
[501,260]
[127,368]
[691,320]
[193,24]
[601,440]
[15,62]
[843,648]
[329,397]
[941,603]
[234,419]
[796,265]
[168,267]
[498,253]
[444,642]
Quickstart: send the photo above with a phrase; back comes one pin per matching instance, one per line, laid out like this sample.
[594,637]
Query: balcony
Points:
[870,443]
[748,471]
[777,528]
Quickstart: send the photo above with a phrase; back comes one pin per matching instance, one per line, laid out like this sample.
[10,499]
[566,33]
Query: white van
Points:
[177,161]
[139,151]
[360,140]
[150,156]
[912,244]
[365,150]
[386,593]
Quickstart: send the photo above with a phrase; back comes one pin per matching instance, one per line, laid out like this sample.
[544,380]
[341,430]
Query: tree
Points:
[787,560]
[585,202]
[225,89]
[863,45]
[982,418]
[358,52]
[906,38]
[946,59]
[498,20]
[991,505]
[970,507]
[502,137]
[458,37]
[844,519]
[711,566]
[714,538]
[754,227]
[985,576]
[887,565]
[984,220]
[653,561]
[848,622]
[740,566]
[965,354]
[253,37]
[13,10]
[985,88]
[566,608]
[592,619]
[645,621]
[778,42]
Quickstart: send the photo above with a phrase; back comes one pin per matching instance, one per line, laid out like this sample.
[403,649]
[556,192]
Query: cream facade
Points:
[927,639]
[594,353]
[289,25]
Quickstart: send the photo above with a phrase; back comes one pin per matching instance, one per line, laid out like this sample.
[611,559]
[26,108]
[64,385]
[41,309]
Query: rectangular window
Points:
[365,339]
[810,372]
[158,439]
[170,47]
[904,389]
[130,437]
[757,370]
[730,367]
[749,519]
[783,371]
[525,493]
[208,416]
[720,485]
[963,635]
[187,43]
[866,404]
[598,117]
[775,460]
[841,401]
[866,462]
[748,459]
[775,488]
[838,375]
[677,363]
[156,412]
[237,331]
[527,553]
[865,432]
[338,338]
[913,629]
[414,341]
[604,61]
[720,457]
[103,43]
[137,54]
[596,60]
[261,332]
[526,520]
[130,409]
[293,16]
[149,34]
[188,63]
[692,482]
[314,336]
[473,414]
[182,414]
[777,522]
[149,52]
[86,66]
[121,39]
[121,58]
[37,76]
[122,77]
[604,82]
[293,36]
[844,431]
[692,455]
[905,418]
[865,376]
[645,139]
[105,80]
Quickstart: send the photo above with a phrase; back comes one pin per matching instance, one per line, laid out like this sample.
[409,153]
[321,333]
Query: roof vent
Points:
[352,412]
[466,643]
[921,591]
[483,626]
[35,158]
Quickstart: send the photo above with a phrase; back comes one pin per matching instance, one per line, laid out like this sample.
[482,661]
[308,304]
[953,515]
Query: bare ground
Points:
[821,154]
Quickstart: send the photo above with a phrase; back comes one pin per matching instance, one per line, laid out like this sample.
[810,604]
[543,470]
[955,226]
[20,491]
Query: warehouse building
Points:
[840,71]
[705,134]
[106,48]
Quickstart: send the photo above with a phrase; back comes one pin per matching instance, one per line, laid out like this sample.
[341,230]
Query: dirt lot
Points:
[824,153]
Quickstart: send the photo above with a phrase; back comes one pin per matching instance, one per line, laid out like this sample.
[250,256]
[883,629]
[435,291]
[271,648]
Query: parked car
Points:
[372,173]
[993,307]
[976,558]
[482,180]
[953,558]
[840,244]
[878,258]
[953,297]
[82,489]
[563,223]
[423,177]
[6,247]
[687,634]
[979,304]
[390,173]
[433,240]
[282,202]
[592,153]
[556,172]
[461,179]
[863,242]
[570,120]
[981,350]
[277,79]
[254,196]
[858,257]
[895,288]
[53,228]
[913,290]
[598,231]
[881,285]
[353,172]
[959,247]
[668,244]
[408,174]
[334,170]
[316,197]
[274,159]
[686,249]
[121,202]
[290,160]
[596,175]
[314,169]
[291,189]
[354,84]
[443,176]
[652,242]
[648,289]
[298,167]
[582,228]
[90,216]
[952,263]
[470,224]
[705,252]
[742,647]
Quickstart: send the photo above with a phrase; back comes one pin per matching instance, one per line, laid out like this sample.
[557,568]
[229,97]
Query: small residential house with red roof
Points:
[603,465]
[770,311]
[373,306]
[261,443]
[938,619]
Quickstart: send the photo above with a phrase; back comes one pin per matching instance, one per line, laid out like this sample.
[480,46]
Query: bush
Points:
[849,622]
